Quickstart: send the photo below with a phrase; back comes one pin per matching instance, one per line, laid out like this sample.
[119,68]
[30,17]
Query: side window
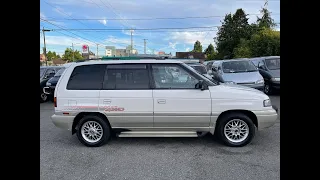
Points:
[87,77]
[49,71]
[127,76]
[172,76]
[256,62]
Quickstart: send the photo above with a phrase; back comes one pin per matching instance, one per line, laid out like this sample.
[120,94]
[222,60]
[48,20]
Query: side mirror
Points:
[50,75]
[200,85]
[214,69]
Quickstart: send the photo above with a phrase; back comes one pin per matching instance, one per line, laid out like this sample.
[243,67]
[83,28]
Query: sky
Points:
[63,15]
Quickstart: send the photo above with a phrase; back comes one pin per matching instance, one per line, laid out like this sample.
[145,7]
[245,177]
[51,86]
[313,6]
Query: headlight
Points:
[276,79]
[48,84]
[267,103]
[260,81]
[230,82]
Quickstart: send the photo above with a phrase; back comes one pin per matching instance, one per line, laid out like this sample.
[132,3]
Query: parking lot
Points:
[62,156]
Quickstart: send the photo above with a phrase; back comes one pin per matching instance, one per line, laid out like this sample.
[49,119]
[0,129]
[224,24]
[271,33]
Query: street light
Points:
[44,43]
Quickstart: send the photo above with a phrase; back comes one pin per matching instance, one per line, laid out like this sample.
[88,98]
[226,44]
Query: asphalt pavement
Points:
[63,157]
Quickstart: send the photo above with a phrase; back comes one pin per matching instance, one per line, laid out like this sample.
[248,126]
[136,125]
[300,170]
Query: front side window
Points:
[87,77]
[238,66]
[172,76]
[127,76]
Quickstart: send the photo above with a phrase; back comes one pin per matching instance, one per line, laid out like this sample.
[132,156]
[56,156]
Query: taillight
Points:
[55,101]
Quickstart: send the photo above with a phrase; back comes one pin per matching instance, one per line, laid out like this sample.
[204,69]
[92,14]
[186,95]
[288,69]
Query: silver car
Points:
[237,71]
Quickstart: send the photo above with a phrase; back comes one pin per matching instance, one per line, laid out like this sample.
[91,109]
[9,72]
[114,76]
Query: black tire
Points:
[43,97]
[232,116]
[267,89]
[105,127]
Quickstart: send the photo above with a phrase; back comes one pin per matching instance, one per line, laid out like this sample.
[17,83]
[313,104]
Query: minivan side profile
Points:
[143,98]
[269,68]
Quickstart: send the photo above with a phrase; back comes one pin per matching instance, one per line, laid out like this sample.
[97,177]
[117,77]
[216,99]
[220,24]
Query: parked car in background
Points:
[237,71]
[51,83]
[46,72]
[208,65]
[200,68]
[269,68]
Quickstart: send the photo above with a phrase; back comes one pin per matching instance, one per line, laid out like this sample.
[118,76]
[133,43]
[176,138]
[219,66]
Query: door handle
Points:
[107,101]
[161,101]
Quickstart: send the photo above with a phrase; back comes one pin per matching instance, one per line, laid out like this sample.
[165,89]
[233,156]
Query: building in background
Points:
[130,50]
[190,55]
[110,51]
[121,52]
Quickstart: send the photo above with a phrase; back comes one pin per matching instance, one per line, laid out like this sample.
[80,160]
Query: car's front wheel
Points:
[267,89]
[43,97]
[235,129]
[93,131]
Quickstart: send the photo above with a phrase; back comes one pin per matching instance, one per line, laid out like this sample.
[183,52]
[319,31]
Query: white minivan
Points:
[142,98]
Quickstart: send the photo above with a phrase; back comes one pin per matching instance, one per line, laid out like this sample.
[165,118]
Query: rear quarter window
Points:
[87,77]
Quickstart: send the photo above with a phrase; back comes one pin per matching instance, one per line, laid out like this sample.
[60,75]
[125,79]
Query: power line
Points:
[142,29]
[147,19]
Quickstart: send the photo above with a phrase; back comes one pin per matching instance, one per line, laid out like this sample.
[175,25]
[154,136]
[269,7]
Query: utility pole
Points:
[44,44]
[97,50]
[72,52]
[145,45]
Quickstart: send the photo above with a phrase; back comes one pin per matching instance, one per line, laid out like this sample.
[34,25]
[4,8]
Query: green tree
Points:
[209,51]
[265,43]
[234,27]
[52,55]
[243,50]
[265,21]
[197,47]
[69,54]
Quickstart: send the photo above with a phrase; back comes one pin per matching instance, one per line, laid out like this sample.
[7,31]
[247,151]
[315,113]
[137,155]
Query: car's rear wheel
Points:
[93,131]
[235,129]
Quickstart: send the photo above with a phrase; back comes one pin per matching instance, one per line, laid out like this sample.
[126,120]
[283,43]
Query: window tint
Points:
[256,62]
[172,76]
[87,77]
[127,76]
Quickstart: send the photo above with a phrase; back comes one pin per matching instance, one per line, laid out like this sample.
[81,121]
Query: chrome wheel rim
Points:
[236,130]
[43,96]
[91,131]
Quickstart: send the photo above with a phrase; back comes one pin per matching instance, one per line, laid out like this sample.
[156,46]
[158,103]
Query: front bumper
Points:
[63,121]
[275,85]
[267,118]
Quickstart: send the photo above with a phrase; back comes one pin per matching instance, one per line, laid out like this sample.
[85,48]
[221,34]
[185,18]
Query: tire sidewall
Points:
[230,117]
[41,100]
[104,125]
[270,89]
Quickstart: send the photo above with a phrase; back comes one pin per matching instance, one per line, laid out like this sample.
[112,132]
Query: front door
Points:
[177,104]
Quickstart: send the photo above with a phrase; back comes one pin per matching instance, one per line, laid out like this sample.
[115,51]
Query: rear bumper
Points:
[267,118]
[63,122]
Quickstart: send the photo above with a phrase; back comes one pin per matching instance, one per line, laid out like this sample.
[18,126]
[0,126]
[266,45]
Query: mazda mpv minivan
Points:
[142,98]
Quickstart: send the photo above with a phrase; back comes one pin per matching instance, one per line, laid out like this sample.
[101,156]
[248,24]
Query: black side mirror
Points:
[214,69]
[200,85]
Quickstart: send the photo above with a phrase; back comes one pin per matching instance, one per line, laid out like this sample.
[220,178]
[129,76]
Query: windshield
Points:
[200,69]
[59,73]
[273,64]
[42,70]
[238,67]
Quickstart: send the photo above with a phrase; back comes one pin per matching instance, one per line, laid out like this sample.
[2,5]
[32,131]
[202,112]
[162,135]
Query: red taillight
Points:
[55,101]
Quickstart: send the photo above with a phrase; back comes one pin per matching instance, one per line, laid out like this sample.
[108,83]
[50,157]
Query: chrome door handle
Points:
[161,101]
[107,101]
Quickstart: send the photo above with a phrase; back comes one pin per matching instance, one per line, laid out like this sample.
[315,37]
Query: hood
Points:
[232,91]
[274,73]
[54,80]
[245,77]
